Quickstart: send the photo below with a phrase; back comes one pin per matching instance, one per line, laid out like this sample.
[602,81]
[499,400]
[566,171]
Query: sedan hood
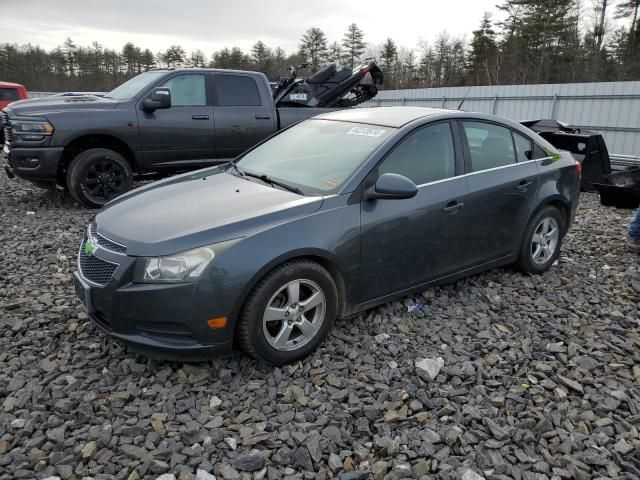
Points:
[46,105]
[198,209]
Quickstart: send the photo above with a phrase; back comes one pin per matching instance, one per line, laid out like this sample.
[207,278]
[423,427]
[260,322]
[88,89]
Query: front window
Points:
[316,154]
[131,88]
[425,156]
[187,90]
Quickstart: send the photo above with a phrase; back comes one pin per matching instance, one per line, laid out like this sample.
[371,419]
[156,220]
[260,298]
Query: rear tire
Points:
[97,176]
[542,241]
[289,313]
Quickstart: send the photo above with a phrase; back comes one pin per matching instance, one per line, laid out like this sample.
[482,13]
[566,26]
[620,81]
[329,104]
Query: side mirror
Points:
[160,98]
[392,186]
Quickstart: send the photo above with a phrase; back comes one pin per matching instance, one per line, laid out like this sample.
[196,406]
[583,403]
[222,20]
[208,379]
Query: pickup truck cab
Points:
[10,92]
[161,121]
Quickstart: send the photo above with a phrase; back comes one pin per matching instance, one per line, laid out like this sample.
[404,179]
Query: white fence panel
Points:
[609,108]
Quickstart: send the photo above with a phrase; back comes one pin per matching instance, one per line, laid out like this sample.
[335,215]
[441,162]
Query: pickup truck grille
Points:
[94,269]
[6,132]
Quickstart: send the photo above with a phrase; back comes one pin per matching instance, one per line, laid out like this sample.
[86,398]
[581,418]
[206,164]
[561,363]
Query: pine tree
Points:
[147,60]
[313,47]
[174,56]
[353,43]
[336,54]
[484,50]
[262,57]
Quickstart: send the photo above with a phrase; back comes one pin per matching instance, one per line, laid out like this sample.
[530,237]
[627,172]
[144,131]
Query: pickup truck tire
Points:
[97,176]
[289,313]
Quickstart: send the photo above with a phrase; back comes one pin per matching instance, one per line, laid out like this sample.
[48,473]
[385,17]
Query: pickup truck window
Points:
[9,94]
[316,154]
[131,88]
[236,90]
[187,90]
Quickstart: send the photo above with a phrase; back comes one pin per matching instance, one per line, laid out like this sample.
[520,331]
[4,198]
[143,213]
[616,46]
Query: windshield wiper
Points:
[237,169]
[267,179]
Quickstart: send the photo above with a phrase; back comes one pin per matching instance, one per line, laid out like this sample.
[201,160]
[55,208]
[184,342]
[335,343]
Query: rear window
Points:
[236,90]
[9,94]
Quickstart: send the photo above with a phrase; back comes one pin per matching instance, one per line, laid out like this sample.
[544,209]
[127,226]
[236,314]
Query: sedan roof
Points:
[394,117]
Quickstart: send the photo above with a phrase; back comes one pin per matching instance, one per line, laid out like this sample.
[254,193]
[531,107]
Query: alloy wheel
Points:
[104,180]
[294,315]
[545,240]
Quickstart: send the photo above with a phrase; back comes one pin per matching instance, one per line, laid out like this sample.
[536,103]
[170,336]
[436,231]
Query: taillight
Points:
[578,166]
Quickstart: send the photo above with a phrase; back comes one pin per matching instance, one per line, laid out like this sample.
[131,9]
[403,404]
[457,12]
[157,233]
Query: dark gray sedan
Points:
[328,218]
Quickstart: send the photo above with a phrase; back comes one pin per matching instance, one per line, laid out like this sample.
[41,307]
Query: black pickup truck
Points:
[161,121]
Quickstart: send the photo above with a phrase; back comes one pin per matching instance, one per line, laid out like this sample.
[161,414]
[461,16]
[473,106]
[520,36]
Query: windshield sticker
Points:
[366,132]
[331,183]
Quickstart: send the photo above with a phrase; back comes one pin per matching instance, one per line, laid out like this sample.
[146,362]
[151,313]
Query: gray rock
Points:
[428,368]
[302,459]
[204,475]
[248,462]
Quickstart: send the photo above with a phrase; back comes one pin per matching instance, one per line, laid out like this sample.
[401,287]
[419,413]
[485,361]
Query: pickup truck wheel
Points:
[289,313]
[97,176]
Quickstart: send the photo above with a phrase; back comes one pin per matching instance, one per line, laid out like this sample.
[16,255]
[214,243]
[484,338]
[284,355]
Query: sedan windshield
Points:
[131,88]
[317,154]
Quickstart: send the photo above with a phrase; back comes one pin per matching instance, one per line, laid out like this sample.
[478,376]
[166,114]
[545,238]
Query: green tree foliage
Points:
[483,53]
[313,47]
[353,43]
[175,56]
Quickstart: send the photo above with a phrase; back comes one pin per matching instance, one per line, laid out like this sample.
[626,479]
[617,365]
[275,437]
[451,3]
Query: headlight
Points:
[32,127]
[183,267]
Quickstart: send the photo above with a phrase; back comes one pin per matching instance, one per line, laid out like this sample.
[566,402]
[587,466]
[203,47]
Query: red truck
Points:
[10,92]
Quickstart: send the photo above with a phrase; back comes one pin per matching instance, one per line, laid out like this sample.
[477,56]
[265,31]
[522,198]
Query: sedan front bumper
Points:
[165,321]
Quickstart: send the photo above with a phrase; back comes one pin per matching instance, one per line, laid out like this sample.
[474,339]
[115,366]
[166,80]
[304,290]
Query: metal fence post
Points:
[554,107]
[444,99]
[495,105]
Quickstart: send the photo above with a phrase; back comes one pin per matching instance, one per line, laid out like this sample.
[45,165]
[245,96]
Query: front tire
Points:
[97,176]
[289,313]
[542,241]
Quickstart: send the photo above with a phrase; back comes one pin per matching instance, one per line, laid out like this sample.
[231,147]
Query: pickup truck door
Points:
[243,113]
[183,133]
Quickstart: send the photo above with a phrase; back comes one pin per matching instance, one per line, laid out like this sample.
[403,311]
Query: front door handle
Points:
[453,207]
[524,185]
[200,117]
[262,116]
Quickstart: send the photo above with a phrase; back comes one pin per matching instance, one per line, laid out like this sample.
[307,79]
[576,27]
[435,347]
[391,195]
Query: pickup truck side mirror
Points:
[160,98]
[392,186]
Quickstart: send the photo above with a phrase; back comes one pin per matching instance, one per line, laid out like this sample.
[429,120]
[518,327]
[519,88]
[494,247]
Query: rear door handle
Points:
[524,185]
[453,207]
[200,117]
[262,117]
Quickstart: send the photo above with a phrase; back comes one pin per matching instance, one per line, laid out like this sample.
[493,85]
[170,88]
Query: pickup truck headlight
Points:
[183,267]
[32,127]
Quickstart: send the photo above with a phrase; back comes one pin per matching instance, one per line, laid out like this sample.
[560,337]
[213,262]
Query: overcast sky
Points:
[213,24]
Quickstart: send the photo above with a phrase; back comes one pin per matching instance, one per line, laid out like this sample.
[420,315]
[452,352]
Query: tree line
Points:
[537,41]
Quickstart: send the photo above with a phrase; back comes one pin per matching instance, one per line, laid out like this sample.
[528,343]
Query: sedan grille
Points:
[94,269]
[104,242]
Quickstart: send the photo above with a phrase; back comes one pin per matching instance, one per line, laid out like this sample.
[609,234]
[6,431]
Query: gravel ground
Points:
[497,376]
